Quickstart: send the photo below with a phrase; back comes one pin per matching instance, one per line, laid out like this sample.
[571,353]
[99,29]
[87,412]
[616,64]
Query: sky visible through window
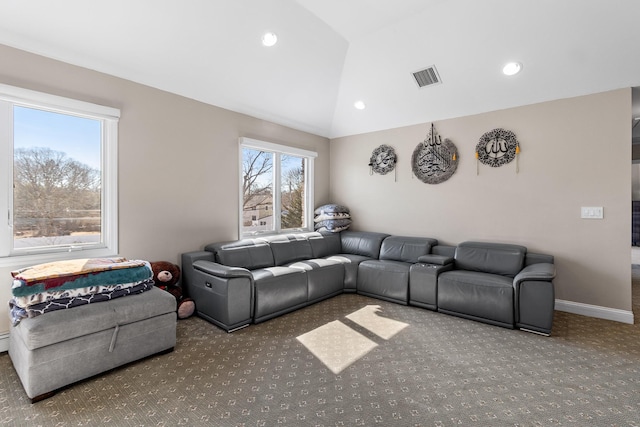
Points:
[287,164]
[66,211]
[78,137]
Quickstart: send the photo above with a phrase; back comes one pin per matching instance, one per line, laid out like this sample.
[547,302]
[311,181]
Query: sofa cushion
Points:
[278,290]
[482,296]
[495,258]
[288,251]
[384,279]
[405,249]
[247,253]
[325,277]
[362,243]
[324,244]
[351,263]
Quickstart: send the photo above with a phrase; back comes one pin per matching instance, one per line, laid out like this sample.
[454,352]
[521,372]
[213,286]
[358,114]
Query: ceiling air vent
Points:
[427,77]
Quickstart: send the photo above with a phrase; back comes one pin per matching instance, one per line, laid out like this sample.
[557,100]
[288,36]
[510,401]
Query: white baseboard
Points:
[4,342]
[614,314]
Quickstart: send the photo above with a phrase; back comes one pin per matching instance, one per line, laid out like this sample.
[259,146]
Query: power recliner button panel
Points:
[429,265]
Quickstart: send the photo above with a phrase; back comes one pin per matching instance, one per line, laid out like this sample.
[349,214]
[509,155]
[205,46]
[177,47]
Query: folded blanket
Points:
[80,273]
[17,313]
[41,297]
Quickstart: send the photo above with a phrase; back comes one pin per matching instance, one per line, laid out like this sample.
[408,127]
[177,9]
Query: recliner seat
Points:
[486,284]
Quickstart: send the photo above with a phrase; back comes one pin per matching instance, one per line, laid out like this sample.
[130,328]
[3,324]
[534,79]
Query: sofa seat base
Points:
[384,279]
[325,278]
[278,290]
[351,263]
[62,347]
[479,296]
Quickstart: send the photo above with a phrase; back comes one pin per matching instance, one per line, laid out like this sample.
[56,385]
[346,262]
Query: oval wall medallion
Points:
[433,160]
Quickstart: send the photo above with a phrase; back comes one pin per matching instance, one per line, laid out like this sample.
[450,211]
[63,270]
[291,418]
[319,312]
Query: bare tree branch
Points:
[49,186]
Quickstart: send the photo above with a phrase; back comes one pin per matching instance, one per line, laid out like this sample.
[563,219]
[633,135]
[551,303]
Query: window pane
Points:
[257,187]
[292,191]
[57,179]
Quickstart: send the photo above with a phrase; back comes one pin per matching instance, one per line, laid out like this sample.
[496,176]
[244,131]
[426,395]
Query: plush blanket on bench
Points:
[66,284]
[78,273]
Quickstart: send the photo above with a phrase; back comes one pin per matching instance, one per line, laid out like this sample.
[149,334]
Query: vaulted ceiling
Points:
[331,53]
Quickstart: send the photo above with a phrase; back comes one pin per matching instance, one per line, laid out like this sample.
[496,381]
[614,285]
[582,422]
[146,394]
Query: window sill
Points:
[20,261]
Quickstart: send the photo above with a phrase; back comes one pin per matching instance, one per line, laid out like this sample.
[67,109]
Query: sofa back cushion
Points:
[362,243]
[324,244]
[246,253]
[405,249]
[287,251]
[495,258]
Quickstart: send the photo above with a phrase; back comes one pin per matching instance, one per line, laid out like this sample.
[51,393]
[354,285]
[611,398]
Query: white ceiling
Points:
[331,53]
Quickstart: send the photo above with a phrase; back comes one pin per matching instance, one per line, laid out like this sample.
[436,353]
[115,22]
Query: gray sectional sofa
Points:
[249,281]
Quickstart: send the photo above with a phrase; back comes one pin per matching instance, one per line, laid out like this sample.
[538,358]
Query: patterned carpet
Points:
[357,361]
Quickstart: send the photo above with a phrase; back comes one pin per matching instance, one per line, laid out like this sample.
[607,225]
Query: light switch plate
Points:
[592,212]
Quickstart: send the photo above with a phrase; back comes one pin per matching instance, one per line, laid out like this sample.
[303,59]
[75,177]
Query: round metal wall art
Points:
[497,147]
[433,160]
[383,159]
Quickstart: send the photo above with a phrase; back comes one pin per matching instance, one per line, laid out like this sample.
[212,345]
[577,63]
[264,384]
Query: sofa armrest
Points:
[223,295]
[535,298]
[220,270]
[537,272]
[435,259]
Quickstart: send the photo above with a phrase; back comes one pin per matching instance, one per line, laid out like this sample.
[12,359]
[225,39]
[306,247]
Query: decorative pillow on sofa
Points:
[333,224]
[333,230]
[331,215]
[331,208]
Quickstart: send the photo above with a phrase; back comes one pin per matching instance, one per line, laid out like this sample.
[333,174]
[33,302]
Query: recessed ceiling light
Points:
[512,68]
[359,105]
[269,39]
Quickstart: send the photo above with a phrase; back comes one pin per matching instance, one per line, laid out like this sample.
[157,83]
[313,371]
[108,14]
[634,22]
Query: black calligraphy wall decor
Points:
[434,160]
[497,147]
[383,160]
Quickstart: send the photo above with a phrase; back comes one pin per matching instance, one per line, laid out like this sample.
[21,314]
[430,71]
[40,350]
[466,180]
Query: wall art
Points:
[434,160]
[383,160]
[496,148]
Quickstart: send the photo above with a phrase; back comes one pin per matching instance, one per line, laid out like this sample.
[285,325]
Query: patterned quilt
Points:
[65,284]
[17,312]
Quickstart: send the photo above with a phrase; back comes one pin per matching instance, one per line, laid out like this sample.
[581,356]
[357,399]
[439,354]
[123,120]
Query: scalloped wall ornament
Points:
[498,147]
[383,159]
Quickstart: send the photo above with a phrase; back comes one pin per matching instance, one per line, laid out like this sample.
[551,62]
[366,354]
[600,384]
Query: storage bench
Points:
[62,347]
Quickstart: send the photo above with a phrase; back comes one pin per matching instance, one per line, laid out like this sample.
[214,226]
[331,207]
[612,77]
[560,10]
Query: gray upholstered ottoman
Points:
[62,347]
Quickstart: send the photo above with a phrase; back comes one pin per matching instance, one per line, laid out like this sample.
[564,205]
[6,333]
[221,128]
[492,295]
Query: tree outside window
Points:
[275,188]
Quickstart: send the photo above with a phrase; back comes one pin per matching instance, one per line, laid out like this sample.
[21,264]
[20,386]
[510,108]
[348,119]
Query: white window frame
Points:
[278,150]
[10,96]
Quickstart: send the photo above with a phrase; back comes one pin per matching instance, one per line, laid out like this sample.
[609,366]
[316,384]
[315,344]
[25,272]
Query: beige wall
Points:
[575,152]
[178,166]
[178,159]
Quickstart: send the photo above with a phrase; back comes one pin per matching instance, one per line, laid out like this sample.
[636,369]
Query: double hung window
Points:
[58,175]
[276,188]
